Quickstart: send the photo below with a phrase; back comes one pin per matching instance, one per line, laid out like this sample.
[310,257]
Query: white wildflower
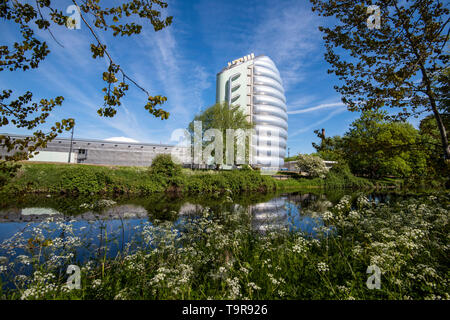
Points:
[322,267]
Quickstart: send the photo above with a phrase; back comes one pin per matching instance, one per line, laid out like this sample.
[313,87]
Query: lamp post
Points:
[70,149]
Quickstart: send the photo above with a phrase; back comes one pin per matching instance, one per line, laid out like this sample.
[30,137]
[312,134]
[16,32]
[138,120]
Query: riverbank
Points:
[305,183]
[88,179]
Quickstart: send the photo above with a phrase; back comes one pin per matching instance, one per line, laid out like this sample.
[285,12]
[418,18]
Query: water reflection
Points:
[270,215]
[289,211]
[279,212]
[268,212]
[36,214]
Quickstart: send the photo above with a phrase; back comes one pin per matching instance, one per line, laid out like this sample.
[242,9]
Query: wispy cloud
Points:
[183,81]
[319,107]
[315,124]
[289,36]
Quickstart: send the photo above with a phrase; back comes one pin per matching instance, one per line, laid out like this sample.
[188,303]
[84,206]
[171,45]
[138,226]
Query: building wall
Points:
[106,152]
[54,156]
[240,83]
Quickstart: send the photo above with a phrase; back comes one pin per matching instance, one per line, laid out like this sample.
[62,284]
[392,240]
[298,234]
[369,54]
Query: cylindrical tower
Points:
[269,114]
[254,84]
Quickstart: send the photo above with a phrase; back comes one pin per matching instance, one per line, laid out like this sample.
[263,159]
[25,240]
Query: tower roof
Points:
[239,61]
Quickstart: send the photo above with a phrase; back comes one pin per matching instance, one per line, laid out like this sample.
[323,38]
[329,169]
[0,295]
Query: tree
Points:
[429,133]
[330,148]
[395,65]
[222,117]
[313,165]
[30,51]
[443,89]
[376,147]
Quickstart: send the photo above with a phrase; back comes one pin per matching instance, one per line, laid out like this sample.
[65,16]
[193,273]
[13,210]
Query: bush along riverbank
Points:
[162,176]
[338,177]
[165,176]
[220,256]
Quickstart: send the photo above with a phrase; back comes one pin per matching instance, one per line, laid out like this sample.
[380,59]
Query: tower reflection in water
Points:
[298,212]
[268,216]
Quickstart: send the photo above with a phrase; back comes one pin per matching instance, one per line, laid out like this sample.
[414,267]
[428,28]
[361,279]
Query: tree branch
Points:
[48,28]
[107,53]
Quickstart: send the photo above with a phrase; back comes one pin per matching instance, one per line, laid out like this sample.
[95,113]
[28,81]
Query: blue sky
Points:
[181,62]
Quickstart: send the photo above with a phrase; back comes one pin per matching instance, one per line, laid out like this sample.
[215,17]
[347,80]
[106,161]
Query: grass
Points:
[220,256]
[335,179]
[300,183]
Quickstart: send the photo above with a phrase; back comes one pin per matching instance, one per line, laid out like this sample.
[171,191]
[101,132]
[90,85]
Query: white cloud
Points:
[318,107]
[121,139]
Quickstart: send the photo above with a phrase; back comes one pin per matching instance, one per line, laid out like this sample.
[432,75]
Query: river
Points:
[116,218]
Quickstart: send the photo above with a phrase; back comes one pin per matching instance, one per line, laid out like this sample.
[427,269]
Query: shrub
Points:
[164,165]
[7,171]
[313,165]
[84,180]
[163,175]
[340,176]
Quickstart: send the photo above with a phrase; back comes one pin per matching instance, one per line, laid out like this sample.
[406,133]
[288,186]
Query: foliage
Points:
[30,51]
[164,175]
[340,176]
[7,172]
[377,148]
[220,256]
[430,136]
[394,65]
[234,181]
[163,164]
[312,165]
[84,180]
[297,183]
[330,148]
